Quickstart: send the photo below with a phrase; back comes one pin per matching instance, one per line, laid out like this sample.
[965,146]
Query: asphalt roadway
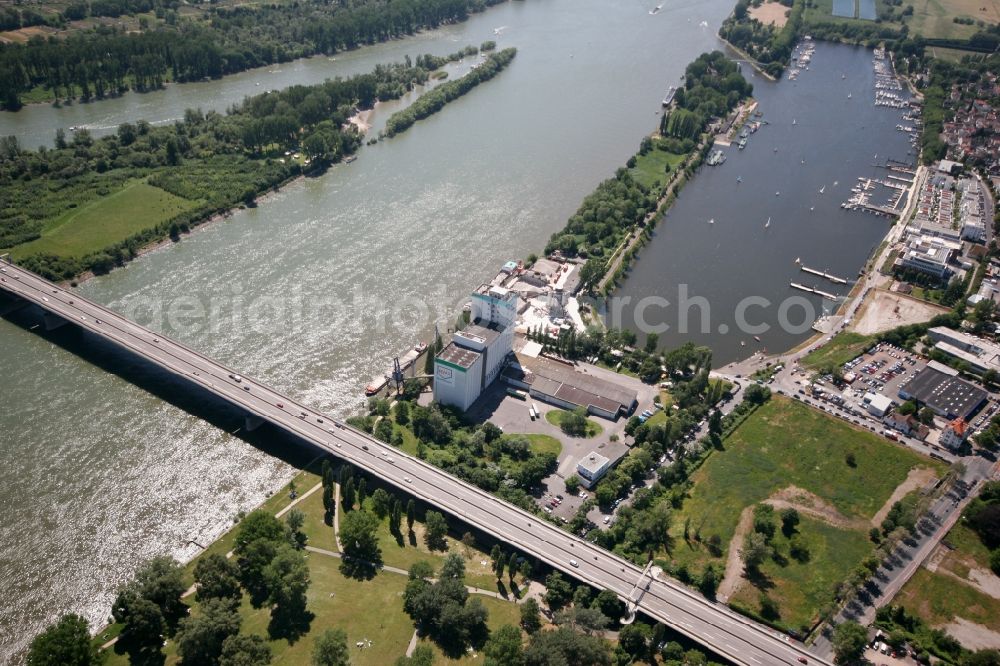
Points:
[729,634]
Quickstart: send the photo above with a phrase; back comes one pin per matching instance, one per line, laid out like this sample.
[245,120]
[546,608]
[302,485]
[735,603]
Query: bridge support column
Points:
[53,321]
[251,422]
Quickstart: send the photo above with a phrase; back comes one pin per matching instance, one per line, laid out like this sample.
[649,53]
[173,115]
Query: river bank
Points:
[782,194]
[312,290]
[259,169]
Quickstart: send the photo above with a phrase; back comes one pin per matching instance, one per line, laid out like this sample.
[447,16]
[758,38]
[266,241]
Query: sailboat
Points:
[798,260]
[768,223]
[812,207]
[848,95]
[822,189]
[712,221]
[739,179]
[843,76]
[794,121]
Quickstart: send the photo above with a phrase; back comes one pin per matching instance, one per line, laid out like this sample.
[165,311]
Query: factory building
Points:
[476,354]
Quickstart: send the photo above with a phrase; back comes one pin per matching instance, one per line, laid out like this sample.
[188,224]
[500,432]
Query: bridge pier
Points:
[53,321]
[251,422]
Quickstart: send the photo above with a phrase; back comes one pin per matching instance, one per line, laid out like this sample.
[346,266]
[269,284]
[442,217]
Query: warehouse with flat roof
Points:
[563,385]
[947,395]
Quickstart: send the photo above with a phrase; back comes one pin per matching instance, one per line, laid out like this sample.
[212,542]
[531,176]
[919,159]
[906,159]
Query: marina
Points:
[823,274]
[838,149]
[814,290]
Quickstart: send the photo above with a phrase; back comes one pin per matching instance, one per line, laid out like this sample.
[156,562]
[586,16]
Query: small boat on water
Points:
[712,221]
[656,9]
[798,260]
[768,223]
[757,338]
[739,179]
[848,95]
[822,189]
[794,121]
[777,194]
[350,158]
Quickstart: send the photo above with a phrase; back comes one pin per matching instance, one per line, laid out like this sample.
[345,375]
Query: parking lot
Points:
[884,371]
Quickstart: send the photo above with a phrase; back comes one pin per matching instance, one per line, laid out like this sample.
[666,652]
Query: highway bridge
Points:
[729,634]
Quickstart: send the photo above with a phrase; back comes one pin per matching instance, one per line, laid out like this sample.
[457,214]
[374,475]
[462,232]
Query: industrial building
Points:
[476,354]
[979,354]
[877,404]
[947,395]
[560,384]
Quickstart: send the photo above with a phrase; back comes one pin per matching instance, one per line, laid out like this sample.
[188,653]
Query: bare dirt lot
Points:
[770,13]
[973,636]
[885,310]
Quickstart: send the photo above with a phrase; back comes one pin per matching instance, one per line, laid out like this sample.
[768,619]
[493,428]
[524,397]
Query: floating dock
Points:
[812,290]
[824,274]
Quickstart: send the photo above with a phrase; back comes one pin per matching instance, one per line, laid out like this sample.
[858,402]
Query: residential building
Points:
[592,469]
[928,254]
[954,434]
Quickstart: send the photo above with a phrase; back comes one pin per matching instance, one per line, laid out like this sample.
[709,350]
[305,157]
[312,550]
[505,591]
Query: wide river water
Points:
[312,292]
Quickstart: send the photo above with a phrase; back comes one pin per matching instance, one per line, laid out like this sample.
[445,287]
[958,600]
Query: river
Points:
[99,473]
[767,210]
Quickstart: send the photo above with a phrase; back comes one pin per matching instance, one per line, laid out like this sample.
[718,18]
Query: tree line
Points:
[434,100]
[218,160]
[105,61]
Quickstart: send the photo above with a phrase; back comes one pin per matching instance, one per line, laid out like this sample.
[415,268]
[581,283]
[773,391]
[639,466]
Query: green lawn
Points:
[650,169]
[801,588]
[933,18]
[106,221]
[787,443]
[365,610]
[845,346]
[544,443]
[555,417]
[501,613]
[938,599]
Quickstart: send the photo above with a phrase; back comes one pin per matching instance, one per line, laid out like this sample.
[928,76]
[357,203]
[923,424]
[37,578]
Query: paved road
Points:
[911,554]
[713,625]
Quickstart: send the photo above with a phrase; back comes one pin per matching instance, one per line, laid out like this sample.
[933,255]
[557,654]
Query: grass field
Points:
[933,18]
[555,417]
[106,221]
[785,443]
[650,169]
[845,346]
[544,443]
[801,588]
[370,610]
[939,599]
